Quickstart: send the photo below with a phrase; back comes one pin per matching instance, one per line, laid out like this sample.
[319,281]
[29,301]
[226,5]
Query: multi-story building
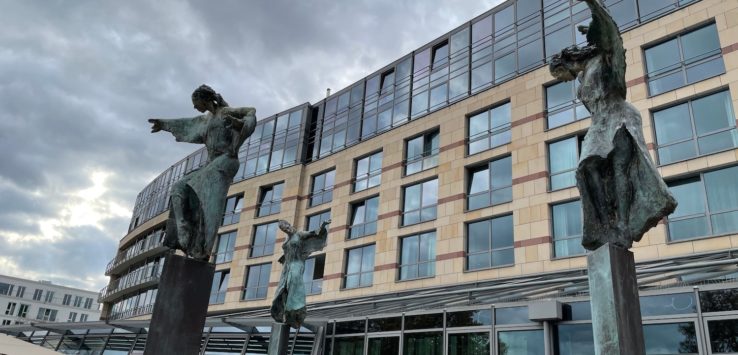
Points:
[449,178]
[26,301]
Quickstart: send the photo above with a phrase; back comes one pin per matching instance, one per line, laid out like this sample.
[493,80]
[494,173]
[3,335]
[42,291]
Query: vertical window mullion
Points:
[708,214]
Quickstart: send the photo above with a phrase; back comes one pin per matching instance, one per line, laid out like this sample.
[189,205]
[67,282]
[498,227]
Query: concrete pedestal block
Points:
[181,307]
[279,339]
[616,311]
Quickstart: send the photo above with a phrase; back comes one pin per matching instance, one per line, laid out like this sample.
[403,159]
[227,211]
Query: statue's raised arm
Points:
[189,130]
[604,36]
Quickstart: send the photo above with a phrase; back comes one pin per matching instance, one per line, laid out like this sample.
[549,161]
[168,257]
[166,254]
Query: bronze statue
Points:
[289,300]
[623,195]
[198,199]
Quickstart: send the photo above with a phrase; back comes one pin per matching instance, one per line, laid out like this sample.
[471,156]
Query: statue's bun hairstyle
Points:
[207,93]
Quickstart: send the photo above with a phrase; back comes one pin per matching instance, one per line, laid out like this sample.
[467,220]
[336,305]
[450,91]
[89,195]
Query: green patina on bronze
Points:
[198,199]
[289,305]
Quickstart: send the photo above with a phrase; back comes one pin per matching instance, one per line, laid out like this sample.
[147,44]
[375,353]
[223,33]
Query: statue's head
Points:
[286,227]
[204,98]
[567,64]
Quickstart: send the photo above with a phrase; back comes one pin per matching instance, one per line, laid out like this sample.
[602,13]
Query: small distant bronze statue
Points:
[623,195]
[289,306]
[198,199]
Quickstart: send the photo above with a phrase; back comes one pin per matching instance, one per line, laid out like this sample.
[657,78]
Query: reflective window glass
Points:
[574,339]
[521,342]
[359,267]
[490,243]
[567,229]
[490,184]
[670,338]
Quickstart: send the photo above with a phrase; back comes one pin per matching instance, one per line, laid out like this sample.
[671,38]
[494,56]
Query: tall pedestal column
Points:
[279,339]
[616,311]
[181,307]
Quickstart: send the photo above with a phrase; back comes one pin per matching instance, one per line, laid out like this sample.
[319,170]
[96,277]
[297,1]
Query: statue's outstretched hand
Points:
[155,125]
[325,223]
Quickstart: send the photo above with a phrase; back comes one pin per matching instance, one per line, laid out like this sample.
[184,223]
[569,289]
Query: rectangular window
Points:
[420,202]
[257,281]
[314,221]
[489,129]
[368,172]
[37,294]
[72,317]
[265,235]
[83,317]
[418,256]
[388,82]
[567,229]
[563,157]
[46,315]
[490,243]
[232,213]
[78,301]
[440,54]
[490,184]
[364,218]
[220,286]
[224,248]
[562,104]
[359,267]
[654,8]
[322,189]
[686,59]
[6,289]
[707,205]
[20,292]
[694,128]
[422,152]
[49,296]
[270,200]
[6,322]
[23,310]
[88,303]
[67,300]
[11,308]
[313,275]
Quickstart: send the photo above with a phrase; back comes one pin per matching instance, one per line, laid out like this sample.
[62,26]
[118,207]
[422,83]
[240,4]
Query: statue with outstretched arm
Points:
[289,304]
[198,199]
[622,193]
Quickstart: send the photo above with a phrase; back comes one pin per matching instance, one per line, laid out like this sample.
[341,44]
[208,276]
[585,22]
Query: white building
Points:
[23,301]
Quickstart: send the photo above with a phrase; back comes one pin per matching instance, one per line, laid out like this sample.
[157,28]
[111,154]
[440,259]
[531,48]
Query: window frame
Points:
[480,166]
[249,268]
[325,190]
[215,297]
[370,173]
[274,206]
[554,256]
[579,136]
[491,131]
[422,207]
[345,273]
[253,246]
[575,104]
[230,247]
[426,153]
[314,283]
[354,205]
[234,215]
[432,262]
[491,236]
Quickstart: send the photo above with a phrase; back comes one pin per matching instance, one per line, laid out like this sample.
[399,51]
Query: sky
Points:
[78,79]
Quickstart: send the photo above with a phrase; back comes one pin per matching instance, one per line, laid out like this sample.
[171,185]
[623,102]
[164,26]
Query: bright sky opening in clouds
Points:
[79,79]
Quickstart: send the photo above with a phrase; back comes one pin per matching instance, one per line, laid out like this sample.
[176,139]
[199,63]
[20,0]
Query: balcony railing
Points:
[124,257]
[138,311]
[116,287]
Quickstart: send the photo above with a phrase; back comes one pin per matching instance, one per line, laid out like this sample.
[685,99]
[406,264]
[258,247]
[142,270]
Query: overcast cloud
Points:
[79,78]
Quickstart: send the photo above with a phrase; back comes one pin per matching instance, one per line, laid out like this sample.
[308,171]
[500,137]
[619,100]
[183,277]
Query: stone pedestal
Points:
[181,307]
[616,311]
[279,339]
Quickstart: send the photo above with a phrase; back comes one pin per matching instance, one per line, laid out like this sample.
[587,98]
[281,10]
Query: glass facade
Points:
[421,153]
[562,104]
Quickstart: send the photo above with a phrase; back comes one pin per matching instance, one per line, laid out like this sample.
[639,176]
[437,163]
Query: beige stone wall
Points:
[531,198]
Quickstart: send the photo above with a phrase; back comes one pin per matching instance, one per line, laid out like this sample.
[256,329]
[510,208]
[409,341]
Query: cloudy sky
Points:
[79,78]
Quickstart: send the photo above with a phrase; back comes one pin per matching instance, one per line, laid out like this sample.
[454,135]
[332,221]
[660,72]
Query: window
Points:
[420,202]
[314,221]
[359,267]
[562,105]
[270,200]
[46,314]
[67,299]
[23,310]
[6,322]
[11,308]
[654,8]
[440,54]
[265,235]
[364,218]
[387,102]
[313,275]
[6,289]
[490,243]
[224,248]
[220,286]
[418,256]
[567,229]
[257,281]
[707,205]
[88,303]
[20,292]
[388,82]
[422,152]
[368,172]
[697,127]
[83,317]
[322,190]
[78,301]
[49,296]
[233,207]
[490,184]
[684,60]
[37,294]
[563,157]
[72,317]
[489,129]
